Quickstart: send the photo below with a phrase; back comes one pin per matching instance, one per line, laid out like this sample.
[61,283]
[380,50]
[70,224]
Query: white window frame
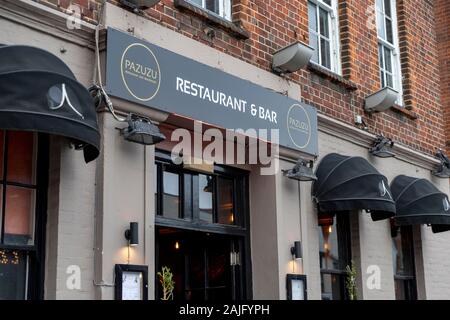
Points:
[394,47]
[224,8]
[335,65]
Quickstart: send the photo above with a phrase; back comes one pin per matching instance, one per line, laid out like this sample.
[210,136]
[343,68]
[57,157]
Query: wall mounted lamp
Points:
[141,130]
[132,234]
[302,171]
[296,250]
[292,58]
[443,169]
[382,147]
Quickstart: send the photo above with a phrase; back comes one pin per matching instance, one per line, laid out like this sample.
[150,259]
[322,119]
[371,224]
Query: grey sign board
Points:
[144,73]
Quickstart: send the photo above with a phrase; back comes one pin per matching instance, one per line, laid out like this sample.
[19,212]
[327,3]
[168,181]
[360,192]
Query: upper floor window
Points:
[388,46]
[220,7]
[323,33]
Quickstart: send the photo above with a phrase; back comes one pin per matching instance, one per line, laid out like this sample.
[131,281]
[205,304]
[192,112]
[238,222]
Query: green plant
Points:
[350,282]
[167,283]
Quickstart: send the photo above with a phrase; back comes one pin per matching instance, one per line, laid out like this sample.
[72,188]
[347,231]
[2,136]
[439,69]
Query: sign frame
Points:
[121,269]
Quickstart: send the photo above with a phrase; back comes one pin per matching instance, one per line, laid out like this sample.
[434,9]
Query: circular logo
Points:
[140,71]
[299,126]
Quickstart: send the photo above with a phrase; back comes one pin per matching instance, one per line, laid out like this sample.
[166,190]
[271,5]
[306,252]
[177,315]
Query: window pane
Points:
[312,17]
[332,286]
[387,8]
[324,23]
[328,2]
[389,80]
[225,213]
[388,59]
[212,5]
[155,188]
[197,2]
[313,42]
[12,275]
[325,53]
[380,56]
[19,215]
[171,195]
[329,250]
[380,25]
[205,190]
[389,35]
[379,5]
[2,135]
[383,82]
[21,150]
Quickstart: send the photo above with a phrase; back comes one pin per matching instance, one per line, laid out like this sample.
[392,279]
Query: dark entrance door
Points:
[203,231]
[205,265]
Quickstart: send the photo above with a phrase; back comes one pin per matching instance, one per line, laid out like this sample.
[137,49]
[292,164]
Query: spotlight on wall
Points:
[381,100]
[382,147]
[142,131]
[443,170]
[302,171]
[296,250]
[292,58]
[132,234]
[137,5]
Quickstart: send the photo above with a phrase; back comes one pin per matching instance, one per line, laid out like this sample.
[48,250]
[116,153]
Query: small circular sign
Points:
[299,126]
[140,71]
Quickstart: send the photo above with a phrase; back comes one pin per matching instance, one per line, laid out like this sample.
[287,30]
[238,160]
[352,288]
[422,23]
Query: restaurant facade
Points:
[120,154]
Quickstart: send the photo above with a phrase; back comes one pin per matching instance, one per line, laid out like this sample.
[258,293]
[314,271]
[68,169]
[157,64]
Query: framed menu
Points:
[131,282]
[296,287]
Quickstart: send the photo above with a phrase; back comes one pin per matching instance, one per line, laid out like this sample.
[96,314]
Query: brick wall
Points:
[442,10]
[273,24]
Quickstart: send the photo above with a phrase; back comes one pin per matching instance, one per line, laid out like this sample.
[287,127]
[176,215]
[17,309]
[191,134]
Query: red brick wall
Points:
[442,9]
[274,24]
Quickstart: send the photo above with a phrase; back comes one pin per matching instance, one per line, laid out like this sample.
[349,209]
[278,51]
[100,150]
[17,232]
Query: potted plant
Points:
[167,283]
[350,282]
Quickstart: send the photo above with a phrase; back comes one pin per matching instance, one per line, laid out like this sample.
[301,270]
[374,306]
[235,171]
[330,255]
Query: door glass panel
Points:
[332,286]
[2,135]
[19,216]
[171,195]
[21,155]
[205,191]
[225,208]
[12,275]
[329,253]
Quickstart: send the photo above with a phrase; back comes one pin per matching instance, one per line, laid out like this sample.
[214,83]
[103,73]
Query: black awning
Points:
[351,183]
[38,92]
[418,201]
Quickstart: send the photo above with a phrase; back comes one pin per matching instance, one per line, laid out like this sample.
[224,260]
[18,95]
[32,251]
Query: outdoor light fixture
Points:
[142,131]
[382,147]
[132,234]
[209,185]
[302,171]
[381,100]
[139,4]
[296,250]
[292,58]
[443,170]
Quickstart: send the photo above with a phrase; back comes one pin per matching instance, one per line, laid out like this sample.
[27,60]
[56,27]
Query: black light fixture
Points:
[302,171]
[142,131]
[132,234]
[137,5]
[443,170]
[296,250]
[382,147]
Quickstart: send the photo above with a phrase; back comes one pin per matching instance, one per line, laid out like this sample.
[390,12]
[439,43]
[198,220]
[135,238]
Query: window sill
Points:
[333,77]
[402,110]
[228,26]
